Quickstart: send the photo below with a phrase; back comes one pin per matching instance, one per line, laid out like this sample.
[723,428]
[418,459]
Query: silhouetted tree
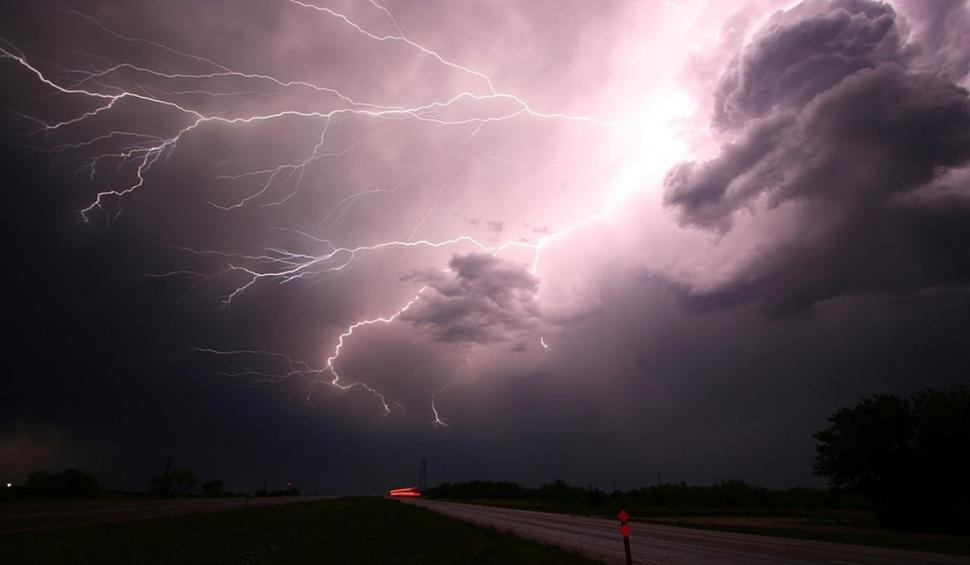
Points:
[215,487]
[178,481]
[69,483]
[909,455]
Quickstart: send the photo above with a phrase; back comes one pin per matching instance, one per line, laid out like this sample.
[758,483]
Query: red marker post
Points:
[625,532]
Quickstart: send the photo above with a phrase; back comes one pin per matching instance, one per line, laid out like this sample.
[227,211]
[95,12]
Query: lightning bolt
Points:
[438,421]
[141,151]
[349,332]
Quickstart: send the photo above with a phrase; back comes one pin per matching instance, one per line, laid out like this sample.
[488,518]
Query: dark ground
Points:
[345,530]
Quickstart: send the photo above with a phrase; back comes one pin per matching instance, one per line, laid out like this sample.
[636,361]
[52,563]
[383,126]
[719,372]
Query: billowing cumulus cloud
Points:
[803,52]
[826,112]
[480,299]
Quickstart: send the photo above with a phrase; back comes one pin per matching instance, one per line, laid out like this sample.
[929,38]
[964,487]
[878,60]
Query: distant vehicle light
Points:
[407,492]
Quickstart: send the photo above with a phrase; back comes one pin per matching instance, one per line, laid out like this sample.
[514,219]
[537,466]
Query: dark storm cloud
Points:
[829,113]
[803,52]
[701,190]
[941,29]
[480,299]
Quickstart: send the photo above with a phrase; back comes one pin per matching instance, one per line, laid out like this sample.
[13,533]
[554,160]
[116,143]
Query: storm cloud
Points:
[829,116]
[480,299]
[562,223]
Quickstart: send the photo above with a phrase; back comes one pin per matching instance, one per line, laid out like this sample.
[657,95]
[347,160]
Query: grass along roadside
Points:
[345,530]
[839,527]
[938,543]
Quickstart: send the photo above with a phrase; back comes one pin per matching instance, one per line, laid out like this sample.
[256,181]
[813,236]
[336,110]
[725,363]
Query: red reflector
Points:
[625,530]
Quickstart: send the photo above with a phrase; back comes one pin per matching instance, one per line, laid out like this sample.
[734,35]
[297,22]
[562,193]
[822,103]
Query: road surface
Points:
[669,544]
[24,517]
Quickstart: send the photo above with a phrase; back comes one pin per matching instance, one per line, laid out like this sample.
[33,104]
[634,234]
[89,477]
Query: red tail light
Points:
[408,492]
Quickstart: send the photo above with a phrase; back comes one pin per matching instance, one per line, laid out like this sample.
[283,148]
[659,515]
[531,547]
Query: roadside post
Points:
[625,532]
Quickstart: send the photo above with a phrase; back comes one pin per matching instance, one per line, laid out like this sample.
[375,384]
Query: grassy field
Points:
[954,545]
[832,525]
[346,530]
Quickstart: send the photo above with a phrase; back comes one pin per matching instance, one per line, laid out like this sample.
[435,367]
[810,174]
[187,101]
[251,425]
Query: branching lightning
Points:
[140,151]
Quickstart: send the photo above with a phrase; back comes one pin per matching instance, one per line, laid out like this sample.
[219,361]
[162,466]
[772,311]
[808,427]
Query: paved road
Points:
[668,544]
[23,517]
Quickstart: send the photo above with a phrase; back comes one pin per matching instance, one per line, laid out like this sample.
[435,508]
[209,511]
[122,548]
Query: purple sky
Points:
[588,240]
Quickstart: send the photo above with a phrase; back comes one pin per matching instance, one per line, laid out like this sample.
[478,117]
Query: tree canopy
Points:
[908,455]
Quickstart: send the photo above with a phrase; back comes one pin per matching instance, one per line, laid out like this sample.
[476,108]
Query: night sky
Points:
[587,240]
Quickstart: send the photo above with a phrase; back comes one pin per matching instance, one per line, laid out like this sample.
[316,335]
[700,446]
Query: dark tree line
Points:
[730,495]
[74,483]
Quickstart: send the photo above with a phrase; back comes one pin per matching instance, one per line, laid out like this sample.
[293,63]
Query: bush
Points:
[69,483]
[215,487]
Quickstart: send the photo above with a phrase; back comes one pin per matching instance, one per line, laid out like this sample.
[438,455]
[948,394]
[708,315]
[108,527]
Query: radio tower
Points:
[423,477]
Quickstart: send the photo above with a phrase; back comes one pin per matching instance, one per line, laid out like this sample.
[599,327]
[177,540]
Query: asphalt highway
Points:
[675,545]
[23,517]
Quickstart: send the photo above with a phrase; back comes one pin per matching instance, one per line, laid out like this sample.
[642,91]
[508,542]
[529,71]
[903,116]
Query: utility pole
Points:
[423,476]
